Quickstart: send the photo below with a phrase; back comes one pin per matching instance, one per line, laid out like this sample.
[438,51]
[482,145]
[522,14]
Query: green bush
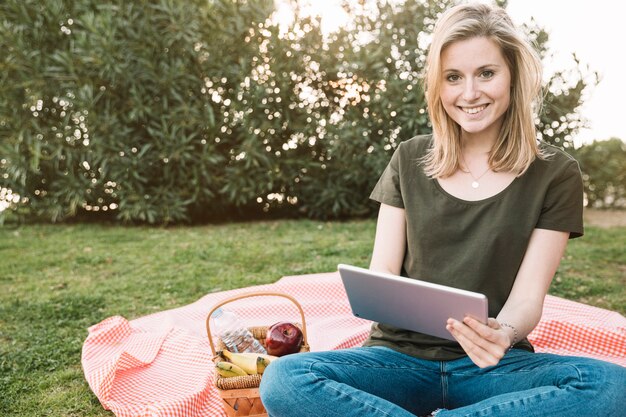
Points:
[165,111]
[603,164]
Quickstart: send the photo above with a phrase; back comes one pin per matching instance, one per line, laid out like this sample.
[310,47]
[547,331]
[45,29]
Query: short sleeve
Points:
[387,189]
[563,204]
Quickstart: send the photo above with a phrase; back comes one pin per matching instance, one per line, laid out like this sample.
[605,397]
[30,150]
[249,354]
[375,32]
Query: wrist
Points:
[512,332]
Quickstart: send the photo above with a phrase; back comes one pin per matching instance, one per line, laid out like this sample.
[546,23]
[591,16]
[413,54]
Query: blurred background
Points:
[171,111]
[579,30]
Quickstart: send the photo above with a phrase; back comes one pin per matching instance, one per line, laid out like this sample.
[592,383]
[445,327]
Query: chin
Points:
[472,127]
[480,126]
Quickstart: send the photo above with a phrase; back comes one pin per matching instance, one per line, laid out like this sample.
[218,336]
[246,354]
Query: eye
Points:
[453,78]
[486,74]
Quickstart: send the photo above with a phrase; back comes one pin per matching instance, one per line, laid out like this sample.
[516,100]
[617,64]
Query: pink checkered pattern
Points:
[160,365]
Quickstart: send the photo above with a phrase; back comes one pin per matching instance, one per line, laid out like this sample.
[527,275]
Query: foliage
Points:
[165,111]
[603,164]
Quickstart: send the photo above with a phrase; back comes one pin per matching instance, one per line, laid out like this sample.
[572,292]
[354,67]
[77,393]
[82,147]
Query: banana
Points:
[228,369]
[251,363]
[262,363]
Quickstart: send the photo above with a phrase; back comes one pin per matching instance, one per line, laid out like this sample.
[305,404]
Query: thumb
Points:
[493,323]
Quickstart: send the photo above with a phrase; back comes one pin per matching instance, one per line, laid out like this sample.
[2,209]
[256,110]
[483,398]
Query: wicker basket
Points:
[240,394]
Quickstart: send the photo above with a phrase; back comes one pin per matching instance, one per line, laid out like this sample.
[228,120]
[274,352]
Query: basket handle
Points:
[248,295]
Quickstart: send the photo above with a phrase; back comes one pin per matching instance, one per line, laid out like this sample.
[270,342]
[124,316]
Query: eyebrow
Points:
[482,67]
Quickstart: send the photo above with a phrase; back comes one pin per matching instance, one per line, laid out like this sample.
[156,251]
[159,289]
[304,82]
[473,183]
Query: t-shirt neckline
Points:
[496,196]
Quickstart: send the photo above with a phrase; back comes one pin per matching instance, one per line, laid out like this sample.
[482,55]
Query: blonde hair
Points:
[516,147]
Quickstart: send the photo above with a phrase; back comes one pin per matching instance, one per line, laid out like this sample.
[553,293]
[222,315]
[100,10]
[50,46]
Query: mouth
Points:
[473,110]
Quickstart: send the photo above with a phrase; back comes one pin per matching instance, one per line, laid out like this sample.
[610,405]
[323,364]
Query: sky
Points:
[593,30]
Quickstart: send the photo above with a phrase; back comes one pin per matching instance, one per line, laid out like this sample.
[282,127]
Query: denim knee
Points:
[279,381]
[610,386]
[605,385]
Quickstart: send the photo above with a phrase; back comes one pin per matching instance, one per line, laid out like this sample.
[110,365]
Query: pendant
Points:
[475,184]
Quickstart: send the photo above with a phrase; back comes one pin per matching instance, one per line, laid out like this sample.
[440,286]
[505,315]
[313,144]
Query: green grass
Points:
[55,281]
[593,270]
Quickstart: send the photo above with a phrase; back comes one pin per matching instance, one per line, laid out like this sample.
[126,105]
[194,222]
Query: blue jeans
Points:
[378,381]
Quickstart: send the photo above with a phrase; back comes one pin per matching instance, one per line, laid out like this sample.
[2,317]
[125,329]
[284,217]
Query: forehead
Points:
[471,54]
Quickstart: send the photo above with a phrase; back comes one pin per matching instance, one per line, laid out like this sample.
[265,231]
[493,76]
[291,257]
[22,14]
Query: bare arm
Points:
[390,241]
[525,303]
[487,344]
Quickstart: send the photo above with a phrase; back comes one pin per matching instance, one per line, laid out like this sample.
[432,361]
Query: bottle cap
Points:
[217,313]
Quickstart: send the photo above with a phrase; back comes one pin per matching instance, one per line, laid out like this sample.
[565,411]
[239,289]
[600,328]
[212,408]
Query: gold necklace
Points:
[475,183]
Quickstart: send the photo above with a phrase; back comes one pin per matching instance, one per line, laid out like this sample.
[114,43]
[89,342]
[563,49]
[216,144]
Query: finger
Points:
[474,352]
[504,340]
[493,323]
[490,332]
[483,330]
[469,338]
[480,335]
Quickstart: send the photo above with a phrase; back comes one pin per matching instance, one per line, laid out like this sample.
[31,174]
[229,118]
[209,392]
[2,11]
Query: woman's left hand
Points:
[485,344]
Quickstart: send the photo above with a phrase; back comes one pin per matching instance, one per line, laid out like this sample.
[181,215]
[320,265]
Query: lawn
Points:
[55,281]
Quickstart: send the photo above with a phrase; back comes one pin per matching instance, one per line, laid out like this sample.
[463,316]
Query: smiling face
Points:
[475,86]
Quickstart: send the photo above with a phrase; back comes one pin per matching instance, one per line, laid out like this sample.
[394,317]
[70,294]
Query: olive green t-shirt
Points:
[473,245]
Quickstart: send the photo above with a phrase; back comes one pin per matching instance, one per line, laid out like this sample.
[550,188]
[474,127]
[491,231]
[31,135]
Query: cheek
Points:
[503,91]
[505,97]
[447,98]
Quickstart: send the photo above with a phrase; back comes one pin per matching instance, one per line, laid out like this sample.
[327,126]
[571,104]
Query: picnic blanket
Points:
[161,365]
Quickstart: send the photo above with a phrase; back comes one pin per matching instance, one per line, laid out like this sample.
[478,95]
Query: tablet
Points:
[409,303]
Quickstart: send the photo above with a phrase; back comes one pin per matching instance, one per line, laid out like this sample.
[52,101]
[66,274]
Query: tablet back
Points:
[409,303]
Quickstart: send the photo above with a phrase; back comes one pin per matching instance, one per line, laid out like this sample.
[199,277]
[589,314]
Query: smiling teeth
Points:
[473,110]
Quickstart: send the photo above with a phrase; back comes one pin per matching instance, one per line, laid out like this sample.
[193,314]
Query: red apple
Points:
[283,338]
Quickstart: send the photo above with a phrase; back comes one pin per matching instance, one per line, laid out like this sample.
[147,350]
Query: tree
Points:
[603,164]
[165,111]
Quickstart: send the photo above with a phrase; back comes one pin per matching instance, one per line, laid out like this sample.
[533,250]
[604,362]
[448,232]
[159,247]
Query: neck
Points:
[476,144]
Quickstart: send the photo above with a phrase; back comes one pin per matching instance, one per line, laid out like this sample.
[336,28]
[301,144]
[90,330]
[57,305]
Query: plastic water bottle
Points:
[235,336]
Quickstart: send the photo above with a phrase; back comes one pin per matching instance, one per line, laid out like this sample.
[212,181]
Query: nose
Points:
[470,90]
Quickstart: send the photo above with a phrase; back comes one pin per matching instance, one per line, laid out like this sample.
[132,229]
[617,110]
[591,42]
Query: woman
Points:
[478,205]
